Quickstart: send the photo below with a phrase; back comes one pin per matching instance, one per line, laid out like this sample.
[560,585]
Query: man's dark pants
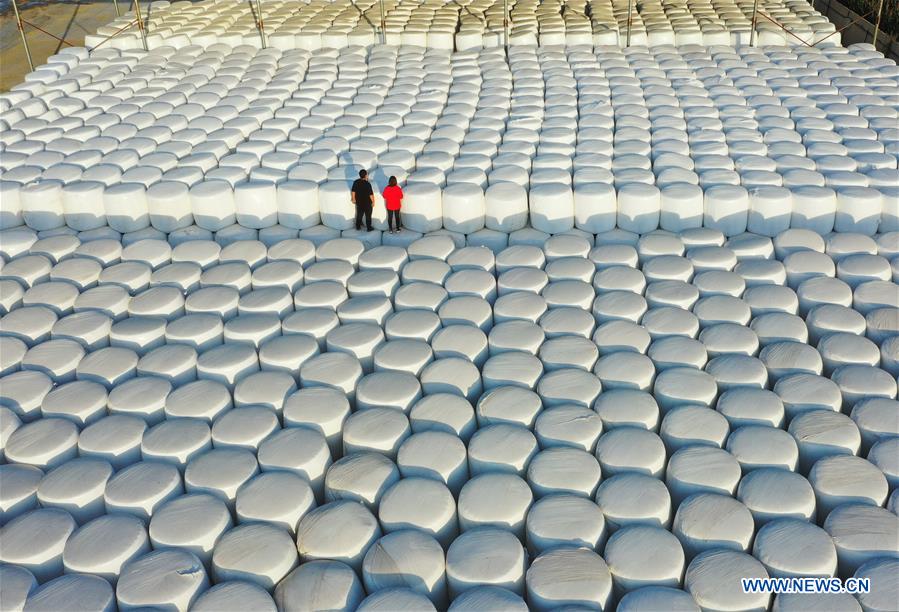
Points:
[363,210]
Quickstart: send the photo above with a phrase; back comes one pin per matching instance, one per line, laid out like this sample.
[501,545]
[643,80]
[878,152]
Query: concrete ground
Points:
[68,20]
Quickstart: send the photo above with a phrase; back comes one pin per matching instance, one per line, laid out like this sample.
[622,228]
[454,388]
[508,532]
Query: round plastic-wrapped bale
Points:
[320,585]
[422,207]
[255,204]
[425,504]
[298,204]
[260,553]
[595,207]
[477,509]
[82,202]
[648,599]
[11,207]
[568,577]
[770,210]
[681,207]
[486,556]
[126,207]
[171,578]
[501,448]
[641,555]
[708,521]
[76,592]
[464,207]
[341,531]
[713,579]
[639,207]
[699,469]
[36,540]
[194,522]
[212,205]
[16,584]
[435,454]
[168,203]
[862,533]
[629,449]
[407,559]
[726,209]
[551,207]
[790,547]
[772,493]
[142,488]
[235,595]
[506,207]
[103,546]
[564,520]
[42,205]
[840,479]
[76,486]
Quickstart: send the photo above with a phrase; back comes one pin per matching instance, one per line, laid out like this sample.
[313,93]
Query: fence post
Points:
[21,27]
[140,24]
[755,20]
[877,23]
[383,23]
[630,12]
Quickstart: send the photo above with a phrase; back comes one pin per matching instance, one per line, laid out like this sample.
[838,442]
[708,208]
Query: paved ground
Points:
[68,20]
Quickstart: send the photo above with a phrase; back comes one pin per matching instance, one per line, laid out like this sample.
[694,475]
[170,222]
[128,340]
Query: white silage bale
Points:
[126,207]
[506,207]
[78,591]
[256,204]
[235,594]
[713,579]
[791,547]
[169,206]
[407,559]
[814,208]
[726,209]
[770,210]
[858,210]
[851,526]
[16,584]
[647,599]
[568,577]
[595,207]
[423,207]
[165,578]
[10,205]
[42,205]
[212,204]
[641,555]
[83,204]
[336,209]
[257,552]
[485,556]
[464,207]
[639,207]
[298,204]
[320,585]
[35,541]
[341,531]
[681,207]
[103,546]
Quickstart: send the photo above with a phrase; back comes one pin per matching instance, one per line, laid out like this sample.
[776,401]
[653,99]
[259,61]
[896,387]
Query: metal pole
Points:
[877,23]
[118,12]
[383,23]
[260,24]
[140,24]
[15,9]
[630,12]
[755,19]
[506,27]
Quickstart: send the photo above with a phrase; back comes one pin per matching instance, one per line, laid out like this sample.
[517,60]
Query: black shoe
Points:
[371,229]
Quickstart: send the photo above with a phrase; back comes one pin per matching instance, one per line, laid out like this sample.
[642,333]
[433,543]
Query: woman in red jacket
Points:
[393,196]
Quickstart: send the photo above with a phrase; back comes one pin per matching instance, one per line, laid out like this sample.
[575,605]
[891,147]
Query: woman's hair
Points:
[391,181]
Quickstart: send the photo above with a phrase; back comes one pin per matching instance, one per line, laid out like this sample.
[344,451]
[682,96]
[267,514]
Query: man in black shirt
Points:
[364,198]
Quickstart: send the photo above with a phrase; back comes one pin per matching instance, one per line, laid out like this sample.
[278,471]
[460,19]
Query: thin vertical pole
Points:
[260,24]
[755,20]
[383,23]
[21,27]
[630,12]
[140,24]
[877,23]
[506,27]
[118,11]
